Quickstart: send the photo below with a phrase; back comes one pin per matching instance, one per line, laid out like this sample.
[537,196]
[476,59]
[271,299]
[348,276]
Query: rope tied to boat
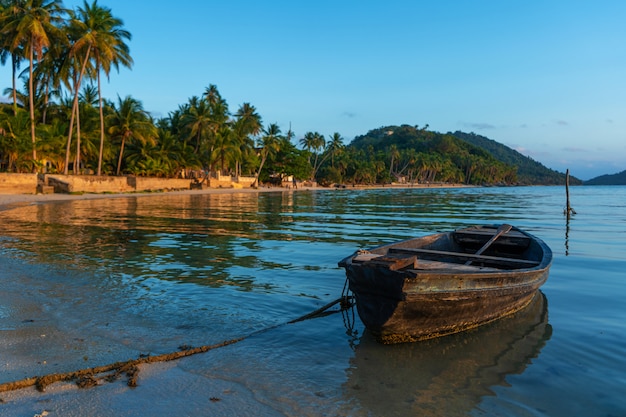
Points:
[91,377]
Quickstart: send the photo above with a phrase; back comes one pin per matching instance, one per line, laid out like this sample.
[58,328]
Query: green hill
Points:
[451,157]
[417,154]
[615,179]
[529,171]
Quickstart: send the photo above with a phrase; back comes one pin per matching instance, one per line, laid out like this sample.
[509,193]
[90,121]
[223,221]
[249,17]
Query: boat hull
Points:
[410,304]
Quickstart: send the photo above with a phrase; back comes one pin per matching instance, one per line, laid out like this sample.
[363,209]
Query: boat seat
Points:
[425,265]
[476,237]
[393,262]
[491,260]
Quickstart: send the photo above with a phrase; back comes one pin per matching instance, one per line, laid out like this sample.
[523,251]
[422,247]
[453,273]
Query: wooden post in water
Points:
[568,209]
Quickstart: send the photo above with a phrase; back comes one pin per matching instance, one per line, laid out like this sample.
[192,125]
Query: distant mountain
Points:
[529,171]
[615,179]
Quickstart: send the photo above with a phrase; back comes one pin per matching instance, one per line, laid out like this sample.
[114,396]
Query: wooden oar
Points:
[505,228]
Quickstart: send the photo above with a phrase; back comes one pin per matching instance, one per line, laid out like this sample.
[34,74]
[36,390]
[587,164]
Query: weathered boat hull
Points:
[417,302]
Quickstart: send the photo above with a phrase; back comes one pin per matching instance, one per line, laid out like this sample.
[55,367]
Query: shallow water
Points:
[90,282]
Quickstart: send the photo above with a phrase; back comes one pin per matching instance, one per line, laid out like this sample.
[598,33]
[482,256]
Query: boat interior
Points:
[480,249]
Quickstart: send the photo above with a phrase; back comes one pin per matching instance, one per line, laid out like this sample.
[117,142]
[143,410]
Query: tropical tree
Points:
[213,96]
[30,25]
[50,74]
[289,160]
[52,138]
[394,154]
[130,122]
[8,10]
[14,132]
[99,37]
[313,142]
[247,124]
[225,147]
[270,144]
[197,121]
[334,147]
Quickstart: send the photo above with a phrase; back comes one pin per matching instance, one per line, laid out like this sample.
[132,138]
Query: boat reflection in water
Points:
[446,376]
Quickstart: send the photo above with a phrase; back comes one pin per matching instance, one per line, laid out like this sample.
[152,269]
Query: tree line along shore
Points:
[56,121]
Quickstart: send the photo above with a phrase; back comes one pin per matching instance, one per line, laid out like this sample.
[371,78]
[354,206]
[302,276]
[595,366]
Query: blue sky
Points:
[547,78]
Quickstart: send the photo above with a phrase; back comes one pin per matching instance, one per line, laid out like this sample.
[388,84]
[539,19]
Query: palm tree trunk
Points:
[119,160]
[101,122]
[74,109]
[45,105]
[77,158]
[14,65]
[255,184]
[31,103]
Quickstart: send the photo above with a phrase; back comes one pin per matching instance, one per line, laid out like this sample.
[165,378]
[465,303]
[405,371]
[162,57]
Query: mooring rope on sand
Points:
[88,377]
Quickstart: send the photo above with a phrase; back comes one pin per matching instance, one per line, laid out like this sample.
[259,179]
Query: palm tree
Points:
[335,146]
[197,120]
[99,36]
[213,96]
[247,123]
[14,138]
[8,8]
[270,145]
[29,26]
[203,118]
[49,73]
[394,153]
[313,142]
[129,121]
[226,147]
[109,50]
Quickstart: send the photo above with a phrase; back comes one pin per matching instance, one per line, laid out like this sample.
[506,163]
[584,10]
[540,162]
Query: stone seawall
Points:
[157,184]
[18,183]
[88,184]
[65,184]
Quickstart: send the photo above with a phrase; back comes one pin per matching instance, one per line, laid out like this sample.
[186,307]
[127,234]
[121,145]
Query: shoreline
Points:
[12,201]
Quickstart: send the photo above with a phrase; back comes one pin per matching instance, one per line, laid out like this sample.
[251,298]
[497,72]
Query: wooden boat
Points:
[446,283]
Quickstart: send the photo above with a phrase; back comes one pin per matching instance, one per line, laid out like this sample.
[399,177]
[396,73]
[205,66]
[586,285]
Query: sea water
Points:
[90,282]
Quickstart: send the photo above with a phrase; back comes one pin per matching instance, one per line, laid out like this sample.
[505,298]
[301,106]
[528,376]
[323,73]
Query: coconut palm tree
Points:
[226,148]
[247,123]
[8,8]
[334,147]
[313,142]
[270,145]
[213,96]
[99,37]
[197,120]
[29,26]
[49,74]
[202,119]
[14,139]
[394,154]
[129,121]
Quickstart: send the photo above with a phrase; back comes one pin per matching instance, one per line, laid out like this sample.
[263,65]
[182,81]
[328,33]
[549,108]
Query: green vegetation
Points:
[615,179]
[59,122]
[528,170]
[412,154]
